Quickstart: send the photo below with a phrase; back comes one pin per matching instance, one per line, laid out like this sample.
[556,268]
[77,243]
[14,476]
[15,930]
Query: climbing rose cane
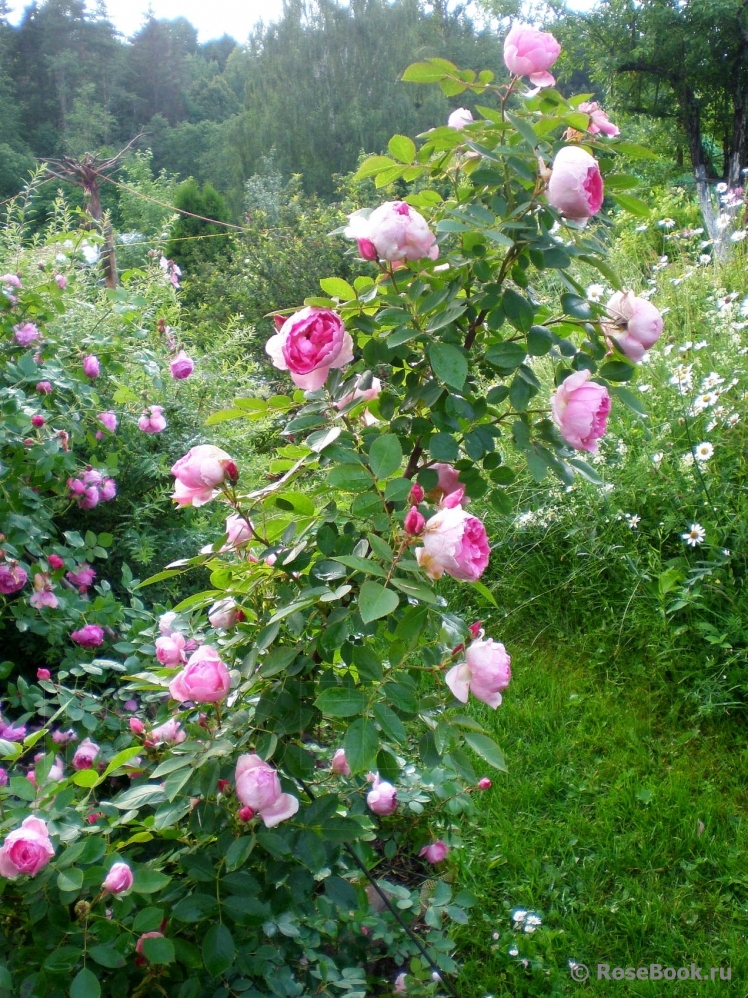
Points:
[308,344]
[580,409]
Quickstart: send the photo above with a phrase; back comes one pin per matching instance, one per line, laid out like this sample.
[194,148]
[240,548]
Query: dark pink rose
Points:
[12,578]
[85,754]
[181,366]
[91,366]
[90,636]
[308,344]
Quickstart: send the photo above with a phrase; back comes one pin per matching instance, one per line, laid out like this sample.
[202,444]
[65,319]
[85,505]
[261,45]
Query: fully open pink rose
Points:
[109,419]
[26,850]
[599,121]
[576,184]
[484,673]
[382,798]
[308,344]
[181,366]
[459,118]
[435,852]
[580,410]
[340,763]
[26,334]
[529,52]
[395,231]
[205,678]
[12,578]
[199,474]
[85,754]
[90,636]
[152,420]
[170,733]
[456,543]
[82,577]
[170,649]
[634,325]
[258,786]
[91,366]
[119,879]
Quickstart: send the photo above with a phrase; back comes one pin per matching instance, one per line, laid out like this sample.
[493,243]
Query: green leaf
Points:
[621,182]
[634,151]
[107,956]
[87,778]
[617,370]
[485,592]
[341,702]
[85,985]
[337,288]
[518,310]
[425,72]
[195,908]
[159,949]
[524,128]
[629,399]
[372,166]
[120,759]
[147,881]
[634,206]
[506,357]
[385,456]
[224,415]
[576,307]
[218,950]
[390,723]
[375,601]
[539,341]
[585,470]
[361,743]
[139,797]
[487,749]
[238,852]
[449,364]
[402,148]
[361,565]
[70,879]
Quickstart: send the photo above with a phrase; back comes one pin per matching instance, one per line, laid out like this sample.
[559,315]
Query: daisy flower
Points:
[703,451]
[695,536]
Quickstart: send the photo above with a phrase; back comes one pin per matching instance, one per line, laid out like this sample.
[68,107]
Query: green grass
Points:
[620,823]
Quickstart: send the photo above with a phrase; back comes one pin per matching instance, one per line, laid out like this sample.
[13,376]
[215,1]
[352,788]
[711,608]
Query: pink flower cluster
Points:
[259,788]
[26,334]
[91,488]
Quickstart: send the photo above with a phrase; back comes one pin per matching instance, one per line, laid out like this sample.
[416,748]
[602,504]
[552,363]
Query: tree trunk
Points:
[734,162]
[692,125]
[108,256]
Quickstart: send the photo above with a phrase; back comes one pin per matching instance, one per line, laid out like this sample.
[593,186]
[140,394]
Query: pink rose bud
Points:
[26,334]
[12,578]
[205,678]
[43,674]
[456,543]
[484,673]
[27,850]
[634,325]
[599,121]
[119,879]
[239,531]
[340,763]
[245,814]
[90,636]
[416,494]
[29,442]
[382,798]
[475,628]
[200,473]
[396,231]
[414,522]
[170,650]
[85,754]
[529,52]
[91,366]
[136,726]
[31,777]
[459,118]
[308,344]
[576,184]
[61,281]
[3,777]
[168,733]
[224,614]
[435,852]
[38,421]
[44,387]
[181,366]
[55,562]
[153,420]
[484,783]
[109,419]
[259,788]
[146,935]
[580,409]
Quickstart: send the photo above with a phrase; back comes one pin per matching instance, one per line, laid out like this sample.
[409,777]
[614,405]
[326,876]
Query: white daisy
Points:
[657,458]
[739,236]
[667,223]
[732,420]
[703,451]
[695,536]
[711,381]
[595,292]
[633,520]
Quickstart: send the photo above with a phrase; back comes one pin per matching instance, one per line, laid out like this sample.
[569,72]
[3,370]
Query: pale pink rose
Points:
[238,531]
[580,410]
[108,489]
[340,763]
[170,649]
[205,678]
[361,395]
[153,420]
[484,673]
[459,118]
[90,636]
[118,880]
[43,592]
[13,280]
[91,366]
[449,480]
[308,344]
[396,232]
[200,473]
[146,935]
[61,281]
[435,852]
[414,522]
[166,622]
[400,985]
[26,334]
[26,850]
[56,770]
[382,798]
[170,732]
[576,184]
[181,366]
[63,737]
[83,576]
[529,52]
[109,419]
[12,578]
[456,543]
[85,754]
[634,325]
[258,787]
[224,614]
[599,121]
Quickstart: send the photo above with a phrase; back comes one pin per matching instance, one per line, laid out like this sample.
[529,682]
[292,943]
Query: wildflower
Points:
[632,520]
[666,223]
[732,420]
[705,259]
[703,451]
[739,236]
[657,459]
[712,380]
[695,536]
[595,292]
[721,188]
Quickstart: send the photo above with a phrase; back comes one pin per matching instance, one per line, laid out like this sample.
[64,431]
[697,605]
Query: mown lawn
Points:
[620,822]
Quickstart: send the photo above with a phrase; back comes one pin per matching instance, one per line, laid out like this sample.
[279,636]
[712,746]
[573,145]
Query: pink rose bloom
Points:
[90,636]
[361,395]
[599,121]
[308,344]
[200,473]
[634,325]
[529,52]
[43,674]
[38,421]
[82,576]
[43,592]
[11,733]
[459,118]
[92,477]
[11,279]
[108,489]
[63,737]
[224,614]
[85,754]
[146,935]
[61,281]
[26,334]
[55,561]
[484,783]
[152,420]
[12,578]
[400,985]
[580,410]
[181,366]
[382,798]
[576,184]
[340,763]
[90,498]
[109,419]
[238,531]
[449,479]
[258,787]
[456,543]
[118,880]
[414,522]
[166,622]
[484,673]
[394,231]
[205,678]
[435,852]
[170,733]
[170,649]
[56,770]
[91,366]
[44,387]
[26,850]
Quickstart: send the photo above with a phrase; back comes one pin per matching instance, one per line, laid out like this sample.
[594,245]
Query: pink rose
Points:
[118,880]
[181,366]
[449,480]
[435,852]
[199,474]
[83,576]
[44,387]
[170,649]
[529,52]
[63,737]
[484,783]
[43,592]
[580,410]
[43,674]
[576,184]
[340,763]
[245,814]
[382,798]
[136,726]
[152,420]
[109,419]
[484,673]
[414,522]
[395,231]
[224,614]
[85,754]
[599,121]
[362,395]
[308,344]
[205,678]
[459,118]
[166,622]
[55,561]
[108,489]
[12,280]
[90,636]
[400,985]
[26,334]
[38,421]
[170,733]
[91,366]
[238,531]
[90,498]
[26,850]
[634,325]
[258,786]
[12,578]
[456,543]
[61,281]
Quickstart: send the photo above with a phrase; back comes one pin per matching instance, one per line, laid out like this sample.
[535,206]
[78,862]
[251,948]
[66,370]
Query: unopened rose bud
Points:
[484,783]
[416,494]
[232,472]
[82,909]
[224,786]
[38,421]
[28,442]
[245,814]
[43,674]
[475,628]
[136,726]
[414,522]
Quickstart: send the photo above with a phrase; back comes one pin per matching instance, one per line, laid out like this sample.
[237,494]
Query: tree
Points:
[185,245]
